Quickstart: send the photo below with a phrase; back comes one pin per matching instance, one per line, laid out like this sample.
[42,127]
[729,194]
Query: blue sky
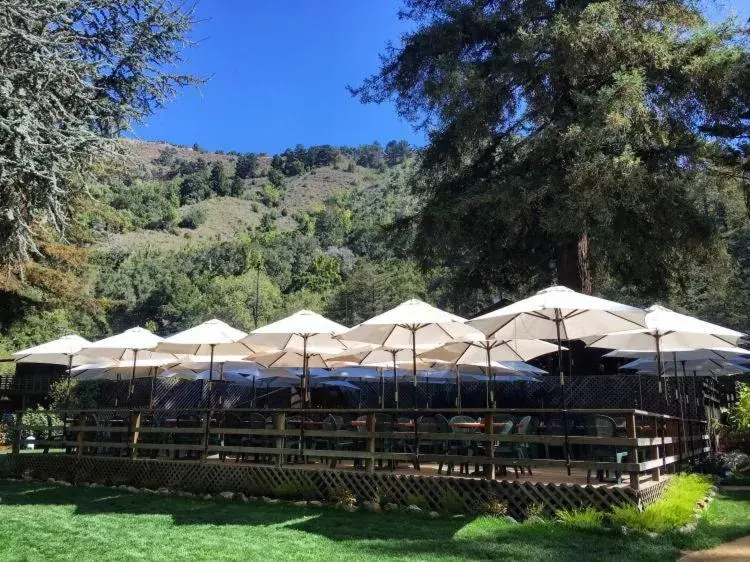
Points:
[278,74]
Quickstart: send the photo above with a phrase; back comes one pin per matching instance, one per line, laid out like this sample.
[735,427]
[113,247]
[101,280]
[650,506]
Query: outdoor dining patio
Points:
[561,455]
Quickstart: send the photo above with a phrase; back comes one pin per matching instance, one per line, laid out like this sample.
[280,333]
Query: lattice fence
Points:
[433,492]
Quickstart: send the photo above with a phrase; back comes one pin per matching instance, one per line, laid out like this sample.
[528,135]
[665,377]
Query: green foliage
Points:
[247,165]
[193,218]
[75,74]
[587,518]
[451,502]
[292,491]
[740,413]
[37,422]
[148,204]
[271,196]
[494,508]
[674,509]
[219,180]
[567,142]
[342,497]
[74,394]
[419,501]
[536,512]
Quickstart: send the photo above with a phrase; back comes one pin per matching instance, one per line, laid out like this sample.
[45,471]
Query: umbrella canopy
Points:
[411,325]
[295,359]
[131,345]
[485,353]
[670,331]
[112,371]
[478,352]
[705,370]
[212,337]
[229,364]
[302,335]
[731,354]
[303,331]
[559,313]
[55,352]
[135,343]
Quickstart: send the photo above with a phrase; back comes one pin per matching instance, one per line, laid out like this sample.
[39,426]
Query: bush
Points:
[673,510]
[343,497]
[494,508]
[585,518]
[193,218]
[536,512]
[292,491]
[451,502]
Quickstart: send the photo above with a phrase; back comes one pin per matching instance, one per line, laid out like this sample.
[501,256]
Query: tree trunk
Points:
[573,265]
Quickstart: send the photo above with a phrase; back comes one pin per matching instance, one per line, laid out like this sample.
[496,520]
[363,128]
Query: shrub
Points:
[416,499]
[255,207]
[193,218]
[343,497]
[451,502]
[584,518]
[673,510]
[494,508]
[536,512]
[292,491]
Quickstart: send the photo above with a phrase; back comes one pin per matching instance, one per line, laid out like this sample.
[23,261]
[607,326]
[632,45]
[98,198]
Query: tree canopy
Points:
[577,142]
[74,73]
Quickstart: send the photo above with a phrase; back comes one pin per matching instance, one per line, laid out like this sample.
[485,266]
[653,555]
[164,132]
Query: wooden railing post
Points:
[680,438]
[632,432]
[654,450]
[279,423]
[370,461]
[136,432]
[17,440]
[489,429]
[80,435]
[206,434]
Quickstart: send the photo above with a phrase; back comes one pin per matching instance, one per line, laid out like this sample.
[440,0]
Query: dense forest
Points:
[602,145]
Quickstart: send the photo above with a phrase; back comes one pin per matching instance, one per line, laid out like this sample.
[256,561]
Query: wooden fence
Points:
[640,444]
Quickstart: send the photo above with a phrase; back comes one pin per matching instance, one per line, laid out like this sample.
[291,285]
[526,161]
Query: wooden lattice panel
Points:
[434,492]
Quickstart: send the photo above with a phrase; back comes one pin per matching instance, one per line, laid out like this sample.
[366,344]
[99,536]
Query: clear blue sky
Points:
[279,70]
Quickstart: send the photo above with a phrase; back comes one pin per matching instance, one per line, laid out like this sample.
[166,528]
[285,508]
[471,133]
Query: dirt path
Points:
[735,551]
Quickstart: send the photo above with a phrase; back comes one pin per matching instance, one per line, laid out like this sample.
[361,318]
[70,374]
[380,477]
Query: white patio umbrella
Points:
[303,333]
[558,313]
[381,358]
[210,338]
[485,353]
[62,351]
[666,330]
[412,325]
[131,345]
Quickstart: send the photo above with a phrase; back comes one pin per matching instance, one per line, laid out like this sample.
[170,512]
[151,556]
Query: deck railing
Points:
[622,441]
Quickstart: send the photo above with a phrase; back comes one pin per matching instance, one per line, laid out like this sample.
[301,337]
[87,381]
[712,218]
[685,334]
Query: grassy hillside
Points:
[228,216]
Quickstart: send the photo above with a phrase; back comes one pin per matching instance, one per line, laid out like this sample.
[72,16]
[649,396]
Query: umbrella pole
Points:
[640,392]
[211,376]
[414,363]
[305,377]
[659,372]
[132,378]
[695,395]
[67,391]
[253,401]
[558,321]
[382,389]
[151,396]
[458,389]
[395,378]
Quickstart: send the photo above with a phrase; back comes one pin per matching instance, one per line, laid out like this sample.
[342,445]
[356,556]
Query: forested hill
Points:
[170,236]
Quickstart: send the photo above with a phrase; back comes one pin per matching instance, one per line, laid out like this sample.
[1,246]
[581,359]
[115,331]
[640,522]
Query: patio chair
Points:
[233,421]
[462,447]
[598,425]
[525,426]
[187,421]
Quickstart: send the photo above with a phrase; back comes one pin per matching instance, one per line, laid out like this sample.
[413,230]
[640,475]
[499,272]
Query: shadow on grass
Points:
[328,522]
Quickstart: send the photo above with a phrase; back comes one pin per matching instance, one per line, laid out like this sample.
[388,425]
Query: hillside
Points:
[227,216]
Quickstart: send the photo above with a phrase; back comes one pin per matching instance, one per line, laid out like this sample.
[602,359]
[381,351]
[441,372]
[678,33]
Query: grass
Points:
[43,522]
[587,518]
[673,510]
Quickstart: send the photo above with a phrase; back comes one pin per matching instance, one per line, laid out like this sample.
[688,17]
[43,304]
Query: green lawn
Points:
[40,522]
